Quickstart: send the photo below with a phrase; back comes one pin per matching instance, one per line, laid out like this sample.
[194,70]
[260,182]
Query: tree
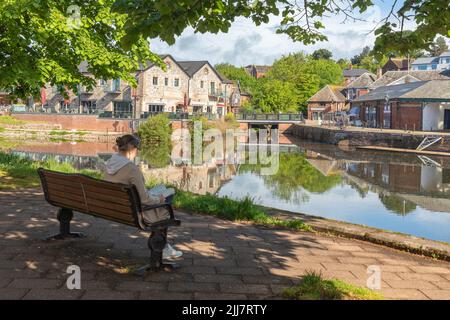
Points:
[438,47]
[44,41]
[372,63]
[356,60]
[275,96]
[324,54]
[38,46]
[246,81]
[305,74]
[328,71]
[343,63]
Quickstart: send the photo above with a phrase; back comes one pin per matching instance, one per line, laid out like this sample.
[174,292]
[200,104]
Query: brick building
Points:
[396,64]
[351,74]
[257,71]
[359,86]
[327,100]
[419,105]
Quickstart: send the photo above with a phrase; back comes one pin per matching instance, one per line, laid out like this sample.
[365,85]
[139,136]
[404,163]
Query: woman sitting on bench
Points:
[120,168]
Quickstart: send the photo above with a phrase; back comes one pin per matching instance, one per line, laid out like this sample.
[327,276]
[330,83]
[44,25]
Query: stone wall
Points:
[366,138]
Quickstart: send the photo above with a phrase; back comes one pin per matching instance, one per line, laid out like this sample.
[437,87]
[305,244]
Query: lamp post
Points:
[386,107]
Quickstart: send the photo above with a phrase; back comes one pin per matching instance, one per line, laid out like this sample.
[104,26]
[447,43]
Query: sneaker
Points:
[170,252]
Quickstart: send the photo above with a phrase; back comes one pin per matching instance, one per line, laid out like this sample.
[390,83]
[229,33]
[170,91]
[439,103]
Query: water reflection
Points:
[403,193]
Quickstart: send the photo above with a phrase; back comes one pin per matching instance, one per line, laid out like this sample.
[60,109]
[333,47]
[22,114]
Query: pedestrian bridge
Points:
[264,118]
[254,118]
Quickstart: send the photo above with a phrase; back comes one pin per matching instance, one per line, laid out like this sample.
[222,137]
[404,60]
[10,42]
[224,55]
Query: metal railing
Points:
[270,117]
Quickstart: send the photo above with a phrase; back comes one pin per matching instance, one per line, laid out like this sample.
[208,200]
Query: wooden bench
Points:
[111,201]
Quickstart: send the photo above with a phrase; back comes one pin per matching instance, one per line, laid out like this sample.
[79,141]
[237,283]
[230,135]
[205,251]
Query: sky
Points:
[246,43]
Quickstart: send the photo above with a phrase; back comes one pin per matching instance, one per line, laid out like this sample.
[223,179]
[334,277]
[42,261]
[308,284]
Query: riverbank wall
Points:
[369,137]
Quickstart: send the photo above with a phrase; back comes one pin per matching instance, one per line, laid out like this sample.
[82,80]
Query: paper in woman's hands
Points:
[161,190]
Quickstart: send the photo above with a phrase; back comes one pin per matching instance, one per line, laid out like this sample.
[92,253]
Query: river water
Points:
[396,192]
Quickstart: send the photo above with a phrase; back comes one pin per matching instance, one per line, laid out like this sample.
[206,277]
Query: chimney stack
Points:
[379,73]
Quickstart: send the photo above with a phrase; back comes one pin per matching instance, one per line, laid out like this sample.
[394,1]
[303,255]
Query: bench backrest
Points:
[111,201]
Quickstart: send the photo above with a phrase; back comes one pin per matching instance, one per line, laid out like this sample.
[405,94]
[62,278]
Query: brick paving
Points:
[222,259]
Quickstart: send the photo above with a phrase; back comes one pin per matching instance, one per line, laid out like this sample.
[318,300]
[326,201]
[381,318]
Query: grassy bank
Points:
[229,209]
[312,286]
[19,172]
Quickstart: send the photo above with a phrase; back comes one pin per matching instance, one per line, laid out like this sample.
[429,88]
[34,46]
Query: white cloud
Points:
[246,43]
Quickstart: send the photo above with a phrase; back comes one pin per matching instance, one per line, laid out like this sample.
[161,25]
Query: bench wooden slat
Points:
[63,182]
[104,212]
[63,188]
[108,198]
[66,203]
[111,213]
[91,203]
[118,194]
[71,197]
[73,180]
[76,190]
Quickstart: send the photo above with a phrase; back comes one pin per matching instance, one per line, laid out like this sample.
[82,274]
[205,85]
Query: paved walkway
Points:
[222,259]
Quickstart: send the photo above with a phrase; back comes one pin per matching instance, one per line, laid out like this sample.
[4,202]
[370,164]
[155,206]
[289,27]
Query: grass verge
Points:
[19,172]
[312,286]
[11,121]
[235,210]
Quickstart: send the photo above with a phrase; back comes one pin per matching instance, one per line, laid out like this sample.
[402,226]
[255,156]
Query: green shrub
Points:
[156,131]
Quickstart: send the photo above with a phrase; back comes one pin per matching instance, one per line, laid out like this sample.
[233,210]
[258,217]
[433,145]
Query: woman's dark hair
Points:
[128,142]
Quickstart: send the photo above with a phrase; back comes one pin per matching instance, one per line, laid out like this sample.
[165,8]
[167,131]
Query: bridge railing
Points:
[270,117]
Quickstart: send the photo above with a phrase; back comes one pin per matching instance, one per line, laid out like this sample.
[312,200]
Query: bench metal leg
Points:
[156,243]
[64,217]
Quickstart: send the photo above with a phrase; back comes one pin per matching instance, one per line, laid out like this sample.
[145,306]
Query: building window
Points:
[197,109]
[116,85]
[213,88]
[155,108]
[103,82]
[371,117]
[89,107]
[123,109]
[387,116]
[423,68]
[202,84]
[434,66]
[176,82]
[155,81]
[166,81]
